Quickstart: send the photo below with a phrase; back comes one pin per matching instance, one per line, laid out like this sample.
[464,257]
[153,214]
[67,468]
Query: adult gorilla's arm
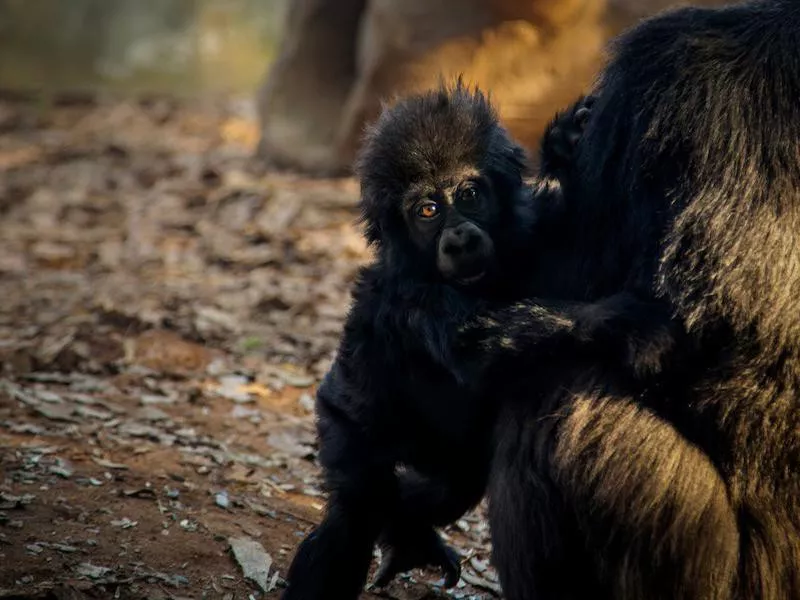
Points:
[630,335]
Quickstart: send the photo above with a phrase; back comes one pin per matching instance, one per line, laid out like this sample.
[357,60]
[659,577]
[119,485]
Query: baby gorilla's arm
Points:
[557,156]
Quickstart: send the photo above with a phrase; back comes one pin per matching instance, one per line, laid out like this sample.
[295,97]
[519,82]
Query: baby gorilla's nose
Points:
[462,240]
[465,253]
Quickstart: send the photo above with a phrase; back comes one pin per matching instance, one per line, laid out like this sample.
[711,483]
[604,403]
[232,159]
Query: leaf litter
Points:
[169,308]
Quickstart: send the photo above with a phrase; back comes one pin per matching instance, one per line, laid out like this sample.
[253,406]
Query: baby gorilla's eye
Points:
[468,196]
[427,210]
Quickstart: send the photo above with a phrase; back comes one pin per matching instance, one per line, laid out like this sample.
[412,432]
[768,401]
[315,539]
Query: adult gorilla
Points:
[688,190]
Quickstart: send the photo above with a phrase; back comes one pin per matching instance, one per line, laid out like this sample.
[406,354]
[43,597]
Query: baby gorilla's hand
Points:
[411,547]
[562,136]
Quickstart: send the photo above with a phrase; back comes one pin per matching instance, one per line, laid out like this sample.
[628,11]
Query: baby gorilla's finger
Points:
[582,117]
[429,551]
[387,570]
[450,563]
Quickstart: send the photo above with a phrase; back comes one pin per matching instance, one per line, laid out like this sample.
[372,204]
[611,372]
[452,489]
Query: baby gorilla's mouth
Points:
[470,279]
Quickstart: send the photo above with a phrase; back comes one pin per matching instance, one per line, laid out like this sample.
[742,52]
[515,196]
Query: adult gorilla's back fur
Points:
[715,139]
[688,189]
[697,134]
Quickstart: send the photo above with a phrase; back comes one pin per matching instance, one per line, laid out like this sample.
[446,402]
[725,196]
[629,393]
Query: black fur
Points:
[686,190]
[398,395]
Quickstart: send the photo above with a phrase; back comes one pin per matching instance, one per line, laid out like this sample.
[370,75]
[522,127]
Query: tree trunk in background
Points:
[300,102]
[341,58]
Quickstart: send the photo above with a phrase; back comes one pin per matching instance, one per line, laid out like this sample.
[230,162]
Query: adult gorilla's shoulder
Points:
[695,138]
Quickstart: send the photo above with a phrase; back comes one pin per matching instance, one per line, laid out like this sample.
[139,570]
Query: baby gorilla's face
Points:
[450,219]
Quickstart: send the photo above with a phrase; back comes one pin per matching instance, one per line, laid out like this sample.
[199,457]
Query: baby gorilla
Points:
[404,441]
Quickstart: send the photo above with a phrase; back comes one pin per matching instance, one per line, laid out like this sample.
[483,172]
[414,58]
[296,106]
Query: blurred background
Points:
[328,63]
[177,247]
[178,46]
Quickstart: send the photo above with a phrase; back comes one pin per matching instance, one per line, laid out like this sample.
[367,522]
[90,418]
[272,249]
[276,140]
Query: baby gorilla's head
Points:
[439,181]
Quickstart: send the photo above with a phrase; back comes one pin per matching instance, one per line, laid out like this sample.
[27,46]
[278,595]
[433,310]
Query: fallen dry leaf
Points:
[253,560]
[167,352]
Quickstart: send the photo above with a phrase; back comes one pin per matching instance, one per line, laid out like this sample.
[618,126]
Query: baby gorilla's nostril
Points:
[472,242]
[452,249]
[453,243]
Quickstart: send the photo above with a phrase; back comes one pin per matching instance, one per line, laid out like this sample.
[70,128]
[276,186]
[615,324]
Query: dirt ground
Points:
[167,309]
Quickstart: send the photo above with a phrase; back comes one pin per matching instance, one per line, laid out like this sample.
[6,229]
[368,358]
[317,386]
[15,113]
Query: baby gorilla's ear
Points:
[370,216]
[561,138]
